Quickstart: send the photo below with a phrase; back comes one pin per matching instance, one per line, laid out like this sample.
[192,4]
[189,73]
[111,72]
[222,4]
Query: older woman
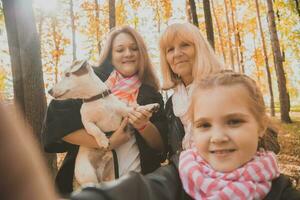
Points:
[128,72]
[185,57]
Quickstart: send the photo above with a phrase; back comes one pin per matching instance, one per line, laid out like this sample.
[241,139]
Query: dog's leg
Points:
[105,168]
[153,107]
[84,169]
[99,136]
[124,110]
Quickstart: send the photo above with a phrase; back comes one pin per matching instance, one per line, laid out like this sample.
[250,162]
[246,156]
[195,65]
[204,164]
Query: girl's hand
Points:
[120,136]
[139,117]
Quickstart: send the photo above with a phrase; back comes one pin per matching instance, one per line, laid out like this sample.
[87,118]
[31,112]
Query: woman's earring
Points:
[177,76]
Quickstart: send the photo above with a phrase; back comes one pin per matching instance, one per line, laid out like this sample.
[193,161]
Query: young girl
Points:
[228,116]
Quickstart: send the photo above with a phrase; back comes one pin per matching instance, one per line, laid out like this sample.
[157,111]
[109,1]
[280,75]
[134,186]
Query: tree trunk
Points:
[241,50]
[272,106]
[188,11]
[194,12]
[235,35]
[229,36]
[208,23]
[256,66]
[56,42]
[40,30]
[73,30]
[10,17]
[297,7]
[281,79]
[25,55]
[158,16]
[219,30]
[97,19]
[112,14]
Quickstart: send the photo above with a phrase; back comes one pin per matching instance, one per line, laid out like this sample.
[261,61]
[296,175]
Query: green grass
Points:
[295,108]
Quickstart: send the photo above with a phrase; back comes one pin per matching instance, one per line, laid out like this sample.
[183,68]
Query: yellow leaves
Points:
[2,79]
[258,57]
[120,13]
[135,21]
[66,41]
[162,9]
[57,53]
[134,4]
[86,5]
[166,4]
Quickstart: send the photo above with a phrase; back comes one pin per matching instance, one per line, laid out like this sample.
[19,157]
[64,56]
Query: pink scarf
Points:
[125,88]
[251,181]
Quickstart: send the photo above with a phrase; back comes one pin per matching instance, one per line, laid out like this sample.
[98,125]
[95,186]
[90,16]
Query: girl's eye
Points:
[235,122]
[204,125]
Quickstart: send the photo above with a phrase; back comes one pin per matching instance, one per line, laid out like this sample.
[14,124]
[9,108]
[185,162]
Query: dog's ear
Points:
[80,67]
[77,65]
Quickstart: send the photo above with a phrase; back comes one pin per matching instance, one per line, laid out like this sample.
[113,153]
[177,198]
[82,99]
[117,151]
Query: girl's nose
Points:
[219,136]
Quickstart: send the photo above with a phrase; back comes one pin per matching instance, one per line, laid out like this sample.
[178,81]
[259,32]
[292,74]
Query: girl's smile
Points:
[225,130]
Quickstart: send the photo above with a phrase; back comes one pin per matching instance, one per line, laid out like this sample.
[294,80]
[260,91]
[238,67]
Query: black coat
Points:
[63,117]
[165,184]
[176,130]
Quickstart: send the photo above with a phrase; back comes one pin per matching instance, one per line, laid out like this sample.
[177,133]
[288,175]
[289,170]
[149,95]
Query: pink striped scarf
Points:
[251,181]
[125,88]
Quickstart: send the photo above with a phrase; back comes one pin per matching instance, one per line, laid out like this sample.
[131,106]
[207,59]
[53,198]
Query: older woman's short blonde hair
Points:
[146,71]
[206,61]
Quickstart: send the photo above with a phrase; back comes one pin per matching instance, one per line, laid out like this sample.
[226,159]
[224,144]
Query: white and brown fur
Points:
[98,116]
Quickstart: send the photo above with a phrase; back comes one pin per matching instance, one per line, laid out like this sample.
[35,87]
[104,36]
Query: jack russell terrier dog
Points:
[101,112]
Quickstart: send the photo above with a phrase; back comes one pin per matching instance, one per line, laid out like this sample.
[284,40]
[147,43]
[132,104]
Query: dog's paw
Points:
[154,107]
[107,157]
[103,142]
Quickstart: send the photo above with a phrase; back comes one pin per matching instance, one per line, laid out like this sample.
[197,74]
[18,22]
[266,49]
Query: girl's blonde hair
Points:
[206,61]
[146,72]
[256,102]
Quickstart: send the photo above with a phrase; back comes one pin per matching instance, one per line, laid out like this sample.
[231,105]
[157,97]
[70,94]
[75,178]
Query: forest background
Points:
[260,38]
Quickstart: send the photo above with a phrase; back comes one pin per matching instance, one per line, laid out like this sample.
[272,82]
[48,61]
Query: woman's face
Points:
[125,54]
[181,57]
[225,131]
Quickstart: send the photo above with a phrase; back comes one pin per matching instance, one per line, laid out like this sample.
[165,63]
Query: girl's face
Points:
[225,131]
[180,57]
[125,54]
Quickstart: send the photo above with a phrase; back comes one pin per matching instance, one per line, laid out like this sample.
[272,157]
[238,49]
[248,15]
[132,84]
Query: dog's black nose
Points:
[50,92]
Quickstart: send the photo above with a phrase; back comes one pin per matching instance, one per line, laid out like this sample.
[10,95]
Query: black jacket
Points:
[176,130]
[63,117]
[165,184]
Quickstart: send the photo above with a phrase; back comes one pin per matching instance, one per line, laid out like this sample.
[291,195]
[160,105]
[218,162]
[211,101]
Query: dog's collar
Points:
[105,93]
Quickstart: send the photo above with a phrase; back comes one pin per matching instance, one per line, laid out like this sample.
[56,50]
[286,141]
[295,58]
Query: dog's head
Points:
[76,83]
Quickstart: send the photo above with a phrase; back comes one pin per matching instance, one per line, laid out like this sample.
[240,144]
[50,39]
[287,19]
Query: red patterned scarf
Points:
[251,181]
[125,88]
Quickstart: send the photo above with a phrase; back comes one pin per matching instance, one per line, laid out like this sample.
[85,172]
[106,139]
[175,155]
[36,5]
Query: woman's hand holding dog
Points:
[120,136]
[139,118]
